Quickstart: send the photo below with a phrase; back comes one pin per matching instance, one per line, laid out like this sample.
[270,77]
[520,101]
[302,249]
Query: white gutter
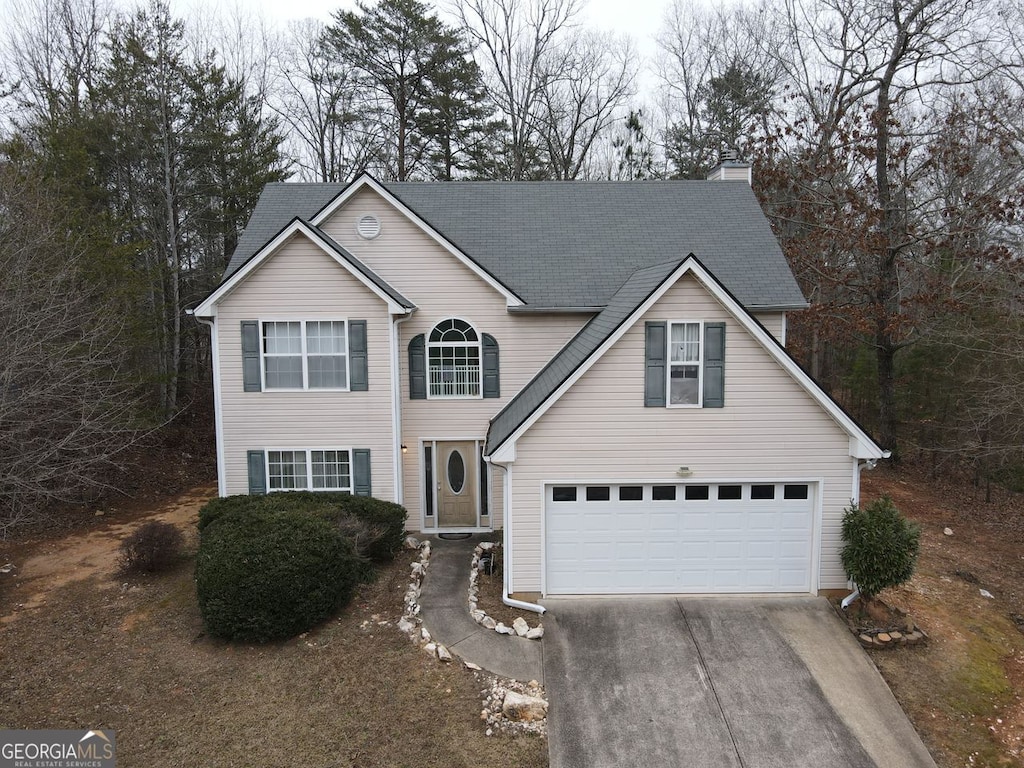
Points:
[860,465]
[505,544]
[396,409]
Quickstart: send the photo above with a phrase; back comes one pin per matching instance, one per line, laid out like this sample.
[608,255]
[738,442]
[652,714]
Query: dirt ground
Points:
[84,647]
[964,690]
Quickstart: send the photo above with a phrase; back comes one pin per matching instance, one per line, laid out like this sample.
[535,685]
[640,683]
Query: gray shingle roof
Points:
[640,285]
[573,244]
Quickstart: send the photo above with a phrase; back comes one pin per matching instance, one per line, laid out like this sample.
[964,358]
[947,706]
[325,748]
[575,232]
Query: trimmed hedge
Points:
[881,546]
[384,521]
[264,575]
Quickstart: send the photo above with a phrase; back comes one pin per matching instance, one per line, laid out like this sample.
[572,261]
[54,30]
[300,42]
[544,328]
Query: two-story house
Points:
[598,369]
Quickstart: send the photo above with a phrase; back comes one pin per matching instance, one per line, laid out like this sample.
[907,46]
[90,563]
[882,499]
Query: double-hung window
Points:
[684,368]
[316,469]
[311,354]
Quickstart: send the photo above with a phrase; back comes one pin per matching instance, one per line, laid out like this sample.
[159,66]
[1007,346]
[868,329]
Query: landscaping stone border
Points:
[509,706]
[519,627]
[880,638]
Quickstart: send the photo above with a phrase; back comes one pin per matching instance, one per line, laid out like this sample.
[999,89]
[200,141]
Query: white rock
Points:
[417,569]
[520,626]
[406,626]
[7,568]
[477,615]
[443,654]
[431,648]
[501,629]
[486,546]
[986,593]
[425,550]
[488,622]
[523,708]
[411,542]
[424,635]
[535,634]
[948,531]
[472,666]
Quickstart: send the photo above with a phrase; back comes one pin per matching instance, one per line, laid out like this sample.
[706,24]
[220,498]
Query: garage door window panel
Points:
[663,493]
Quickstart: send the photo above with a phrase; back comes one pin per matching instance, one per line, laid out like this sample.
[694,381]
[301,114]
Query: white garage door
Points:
[635,539]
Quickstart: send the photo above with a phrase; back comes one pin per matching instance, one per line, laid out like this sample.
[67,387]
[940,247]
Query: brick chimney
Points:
[731,168]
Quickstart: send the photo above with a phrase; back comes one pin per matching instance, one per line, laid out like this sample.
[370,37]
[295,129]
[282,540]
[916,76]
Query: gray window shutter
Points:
[358,374]
[257,473]
[418,368]
[361,485]
[492,379]
[714,365]
[250,356]
[654,380]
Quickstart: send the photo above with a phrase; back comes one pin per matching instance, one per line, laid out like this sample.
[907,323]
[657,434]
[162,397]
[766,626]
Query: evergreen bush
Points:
[265,574]
[881,546]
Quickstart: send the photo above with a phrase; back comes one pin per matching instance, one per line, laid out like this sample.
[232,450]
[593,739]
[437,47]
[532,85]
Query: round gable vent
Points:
[368,227]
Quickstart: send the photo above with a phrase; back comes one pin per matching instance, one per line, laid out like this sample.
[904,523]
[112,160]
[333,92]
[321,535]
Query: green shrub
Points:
[264,574]
[881,546]
[153,546]
[379,538]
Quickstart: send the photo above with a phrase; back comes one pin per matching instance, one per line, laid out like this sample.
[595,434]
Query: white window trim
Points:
[478,345]
[305,357]
[699,363]
[309,469]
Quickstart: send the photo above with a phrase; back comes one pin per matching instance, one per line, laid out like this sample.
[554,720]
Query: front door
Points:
[457,474]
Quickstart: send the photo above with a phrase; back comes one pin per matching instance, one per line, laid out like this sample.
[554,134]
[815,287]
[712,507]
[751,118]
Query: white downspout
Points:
[506,545]
[859,467]
[218,410]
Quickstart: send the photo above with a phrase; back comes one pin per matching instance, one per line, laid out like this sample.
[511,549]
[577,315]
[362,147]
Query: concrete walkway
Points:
[732,682]
[444,606]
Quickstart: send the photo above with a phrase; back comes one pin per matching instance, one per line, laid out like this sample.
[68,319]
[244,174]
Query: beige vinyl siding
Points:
[599,430]
[773,322]
[441,287]
[301,282]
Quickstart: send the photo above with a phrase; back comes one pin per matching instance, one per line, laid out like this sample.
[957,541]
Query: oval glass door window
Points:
[456,471]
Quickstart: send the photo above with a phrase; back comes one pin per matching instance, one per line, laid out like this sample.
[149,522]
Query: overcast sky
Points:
[638,18]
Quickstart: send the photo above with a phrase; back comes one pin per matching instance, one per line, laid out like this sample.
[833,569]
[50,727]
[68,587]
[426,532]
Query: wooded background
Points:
[886,139]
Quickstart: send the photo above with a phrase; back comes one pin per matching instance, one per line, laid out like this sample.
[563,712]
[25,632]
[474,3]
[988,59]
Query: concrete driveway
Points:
[702,683]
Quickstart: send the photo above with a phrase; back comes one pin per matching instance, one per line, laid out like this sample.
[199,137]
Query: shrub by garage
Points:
[271,569]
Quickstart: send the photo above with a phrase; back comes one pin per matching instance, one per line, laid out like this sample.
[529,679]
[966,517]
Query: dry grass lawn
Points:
[964,690]
[94,653]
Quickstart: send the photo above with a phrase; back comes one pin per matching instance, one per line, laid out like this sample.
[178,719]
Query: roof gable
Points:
[397,303]
[366,181]
[644,288]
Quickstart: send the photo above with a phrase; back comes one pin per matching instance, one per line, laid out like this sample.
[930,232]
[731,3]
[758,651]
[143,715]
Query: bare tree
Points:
[324,105]
[514,40]
[55,49]
[863,69]
[719,72]
[66,405]
[583,89]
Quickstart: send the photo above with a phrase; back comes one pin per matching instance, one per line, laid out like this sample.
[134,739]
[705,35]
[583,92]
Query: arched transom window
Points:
[453,352]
